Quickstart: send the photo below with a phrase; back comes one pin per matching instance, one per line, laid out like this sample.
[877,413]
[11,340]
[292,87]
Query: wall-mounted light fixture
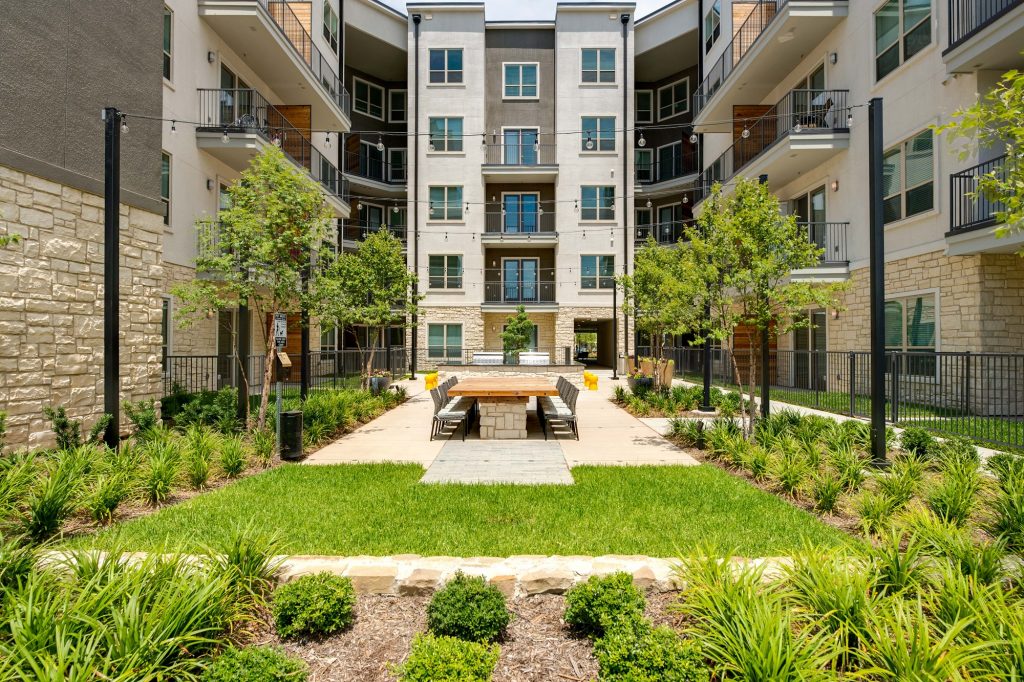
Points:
[209,184]
[211,57]
[833,58]
[835,185]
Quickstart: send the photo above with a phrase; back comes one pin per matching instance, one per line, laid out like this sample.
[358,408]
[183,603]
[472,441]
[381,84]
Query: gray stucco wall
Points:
[521,45]
[61,63]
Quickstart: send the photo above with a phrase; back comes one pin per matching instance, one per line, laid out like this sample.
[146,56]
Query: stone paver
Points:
[497,461]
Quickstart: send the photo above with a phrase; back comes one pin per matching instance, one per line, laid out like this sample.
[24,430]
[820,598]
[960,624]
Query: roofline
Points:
[516,23]
[387,9]
[663,8]
[443,5]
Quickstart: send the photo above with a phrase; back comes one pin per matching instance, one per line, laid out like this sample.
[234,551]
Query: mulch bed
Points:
[538,647]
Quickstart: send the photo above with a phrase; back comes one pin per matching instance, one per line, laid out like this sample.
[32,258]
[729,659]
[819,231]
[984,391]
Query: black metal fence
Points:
[967,17]
[480,359]
[969,208]
[978,395]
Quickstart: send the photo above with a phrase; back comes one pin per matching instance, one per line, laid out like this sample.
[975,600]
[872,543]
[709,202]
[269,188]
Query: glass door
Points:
[371,161]
[520,146]
[809,100]
[520,279]
[235,101]
[521,213]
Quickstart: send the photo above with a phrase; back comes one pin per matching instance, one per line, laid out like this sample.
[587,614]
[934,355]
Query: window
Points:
[902,29]
[520,146]
[329,340]
[598,65]
[644,106]
[674,99]
[910,326]
[908,178]
[643,216]
[331,25]
[165,332]
[369,98]
[236,98]
[445,272]
[712,25]
[168,44]
[371,161]
[397,106]
[446,203]
[643,160]
[371,217]
[446,66]
[396,165]
[520,212]
[598,203]
[597,272]
[165,185]
[521,81]
[446,134]
[598,134]
[444,340]
[670,161]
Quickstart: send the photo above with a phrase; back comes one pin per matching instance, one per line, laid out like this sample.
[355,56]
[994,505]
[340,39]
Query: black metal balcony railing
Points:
[681,162]
[281,12]
[526,154]
[831,238]
[519,292]
[358,230]
[968,17]
[665,234]
[376,169]
[503,219]
[800,111]
[244,110]
[970,209]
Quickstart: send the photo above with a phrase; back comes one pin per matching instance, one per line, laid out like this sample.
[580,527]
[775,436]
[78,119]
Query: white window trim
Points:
[446,83]
[383,212]
[604,221]
[669,88]
[323,25]
[597,138]
[519,194]
[372,86]
[933,41]
[455,221]
[444,348]
[446,276]
[657,211]
[657,155]
[615,68]
[636,111]
[519,97]
[535,259]
[445,151]
[405,118]
[711,8]
[651,163]
[523,127]
[169,80]
[391,166]
[636,220]
[903,296]
[901,145]
[597,277]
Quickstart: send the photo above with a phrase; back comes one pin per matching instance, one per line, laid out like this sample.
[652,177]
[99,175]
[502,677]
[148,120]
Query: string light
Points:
[849,120]
[641,142]
[225,138]
[124,123]
[745,133]
[693,138]
[797,128]
[590,142]
[327,141]
[174,130]
[380,143]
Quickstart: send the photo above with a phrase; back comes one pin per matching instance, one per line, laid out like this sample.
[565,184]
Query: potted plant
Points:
[639,382]
[379,380]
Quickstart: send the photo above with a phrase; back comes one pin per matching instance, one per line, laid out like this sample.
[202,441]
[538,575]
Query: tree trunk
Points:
[243,385]
[368,366]
[268,371]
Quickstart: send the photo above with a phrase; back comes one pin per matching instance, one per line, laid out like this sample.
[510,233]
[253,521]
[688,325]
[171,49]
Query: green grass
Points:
[381,509]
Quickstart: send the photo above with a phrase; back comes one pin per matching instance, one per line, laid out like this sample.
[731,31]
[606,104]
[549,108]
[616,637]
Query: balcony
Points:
[772,41]
[354,231]
[664,234]
[367,171]
[531,226]
[972,215]
[834,264]
[236,124]
[984,34]
[671,167]
[273,36]
[802,131]
[522,159]
[533,294]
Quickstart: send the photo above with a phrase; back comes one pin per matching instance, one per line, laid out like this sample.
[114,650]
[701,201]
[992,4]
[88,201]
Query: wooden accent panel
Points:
[745,116]
[294,142]
[352,153]
[296,20]
[743,337]
[294,345]
[741,11]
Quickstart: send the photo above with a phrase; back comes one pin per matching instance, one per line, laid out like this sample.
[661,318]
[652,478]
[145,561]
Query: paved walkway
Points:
[499,461]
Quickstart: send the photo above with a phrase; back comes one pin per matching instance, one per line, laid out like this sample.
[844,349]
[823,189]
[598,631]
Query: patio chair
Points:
[816,117]
[561,408]
[456,411]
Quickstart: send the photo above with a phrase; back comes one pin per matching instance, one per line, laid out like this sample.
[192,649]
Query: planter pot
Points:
[640,384]
[379,384]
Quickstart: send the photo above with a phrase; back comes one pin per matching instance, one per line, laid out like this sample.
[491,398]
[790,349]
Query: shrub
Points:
[468,608]
[69,431]
[956,451]
[953,499]
[232,456]
[53,499]
[634,651]
[788,470]
[874,511]
[249,560]
[263,441]
[3,431]
[899,485]
[206,408]
[448,659]
[1007,507]
[918,441]
[142,415]
[848,465]
[592,605]
[758,462]
[16,561]
[687,432]
[826,489]
[1006,467]
[318,604]
[256,664]
[106,493]
[160,471]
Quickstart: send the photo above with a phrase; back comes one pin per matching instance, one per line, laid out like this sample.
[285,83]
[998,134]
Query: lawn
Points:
[381,509]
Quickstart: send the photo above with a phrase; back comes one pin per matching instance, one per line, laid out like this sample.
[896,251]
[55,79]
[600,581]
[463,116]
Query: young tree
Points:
[654,294]
[370,287]
[256,252]
[996,121]
[518,332]
[741,255]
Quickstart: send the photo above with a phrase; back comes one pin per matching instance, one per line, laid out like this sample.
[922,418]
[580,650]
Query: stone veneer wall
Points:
[51,304]
[199,338]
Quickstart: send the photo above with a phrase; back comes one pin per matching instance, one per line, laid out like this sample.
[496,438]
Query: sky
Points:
[536,9]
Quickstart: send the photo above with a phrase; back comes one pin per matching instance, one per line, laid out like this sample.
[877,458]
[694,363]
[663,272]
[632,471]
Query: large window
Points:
[369,98]
[445,134]
[165,185]
[446,203]
[329,340]
[674,99]
[902,29]
[908,173]
[445,272]
[598,202]
[168,41]
[398,106]
[396,164]
[597,272]
[712,25]
[520,146]
[444,340]
[521,81]
[331,26]
[910,326]
[598,65]
[446,66]
[643,161]
[598,134]
[644,106]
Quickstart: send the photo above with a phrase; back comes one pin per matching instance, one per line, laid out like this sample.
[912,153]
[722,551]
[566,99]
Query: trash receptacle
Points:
[291,435]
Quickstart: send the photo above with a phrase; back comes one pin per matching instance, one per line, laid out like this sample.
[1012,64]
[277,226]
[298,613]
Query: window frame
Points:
[167,68]
[901,36]
[901,147]
[505,85]
[448,280]
[597,208]
[598,130]
[445,349]
[648,174]
[328,333]
[448,137]
[598,71]
[333,37]
[391,164]
[657,169]
[671,88]
[636,108]
[711,36]
[405,105]
[520,129]
[166,199]
[446,71]
[520,194]
[356,80]
[600,282]
[910,368]
[449,216]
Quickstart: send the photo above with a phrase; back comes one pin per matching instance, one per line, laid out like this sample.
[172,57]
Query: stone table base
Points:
[502,418]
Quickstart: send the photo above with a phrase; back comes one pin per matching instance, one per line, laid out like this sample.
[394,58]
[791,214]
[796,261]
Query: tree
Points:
[256,252]
[654,294]
[997,120]
[370,287]
[518,332]
[739,261]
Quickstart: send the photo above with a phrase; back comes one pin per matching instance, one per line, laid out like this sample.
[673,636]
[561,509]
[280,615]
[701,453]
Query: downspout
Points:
[625,167]
[416,186]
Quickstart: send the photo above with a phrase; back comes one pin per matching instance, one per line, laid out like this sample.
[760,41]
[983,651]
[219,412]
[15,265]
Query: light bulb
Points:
[483,141]
[686,199]
[540,211]
[641,142]
[590,142]
[277,141]
[745,133]
[575,205]
[225,138]
[467,207]
[394,209]
[797,128]
[124,124]
[431,147]
[380,143]
[327,141]
[173,128]
[693,138]
[648,203]
[849,120]
[358,205]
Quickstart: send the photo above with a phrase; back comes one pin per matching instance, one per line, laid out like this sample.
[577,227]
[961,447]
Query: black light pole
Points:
[877,281]
[242,350]
[304,342]
[765,353]
[624,18]
[111,272]
[615,332]
[706,405]
[416,18]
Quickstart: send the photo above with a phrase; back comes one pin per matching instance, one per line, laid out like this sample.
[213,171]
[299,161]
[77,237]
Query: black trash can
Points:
[291,435]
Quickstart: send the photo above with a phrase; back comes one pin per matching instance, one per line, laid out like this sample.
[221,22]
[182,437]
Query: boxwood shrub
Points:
[632,650]
[318,604]
[468,608]
[255,664]
[591,605]
[448,659]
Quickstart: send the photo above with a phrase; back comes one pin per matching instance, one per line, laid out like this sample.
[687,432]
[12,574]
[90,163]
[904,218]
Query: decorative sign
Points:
[280,330]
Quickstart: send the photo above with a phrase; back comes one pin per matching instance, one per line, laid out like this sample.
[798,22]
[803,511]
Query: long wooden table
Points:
[502,402]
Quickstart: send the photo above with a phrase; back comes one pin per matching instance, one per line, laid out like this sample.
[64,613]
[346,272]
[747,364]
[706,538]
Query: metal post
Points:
[877,280]
[615,333]
[853,383]
[304,342]
[111,272]
[416,18]
[765,351]
[242,350]
[277,413]
[706,405]
[626,180]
